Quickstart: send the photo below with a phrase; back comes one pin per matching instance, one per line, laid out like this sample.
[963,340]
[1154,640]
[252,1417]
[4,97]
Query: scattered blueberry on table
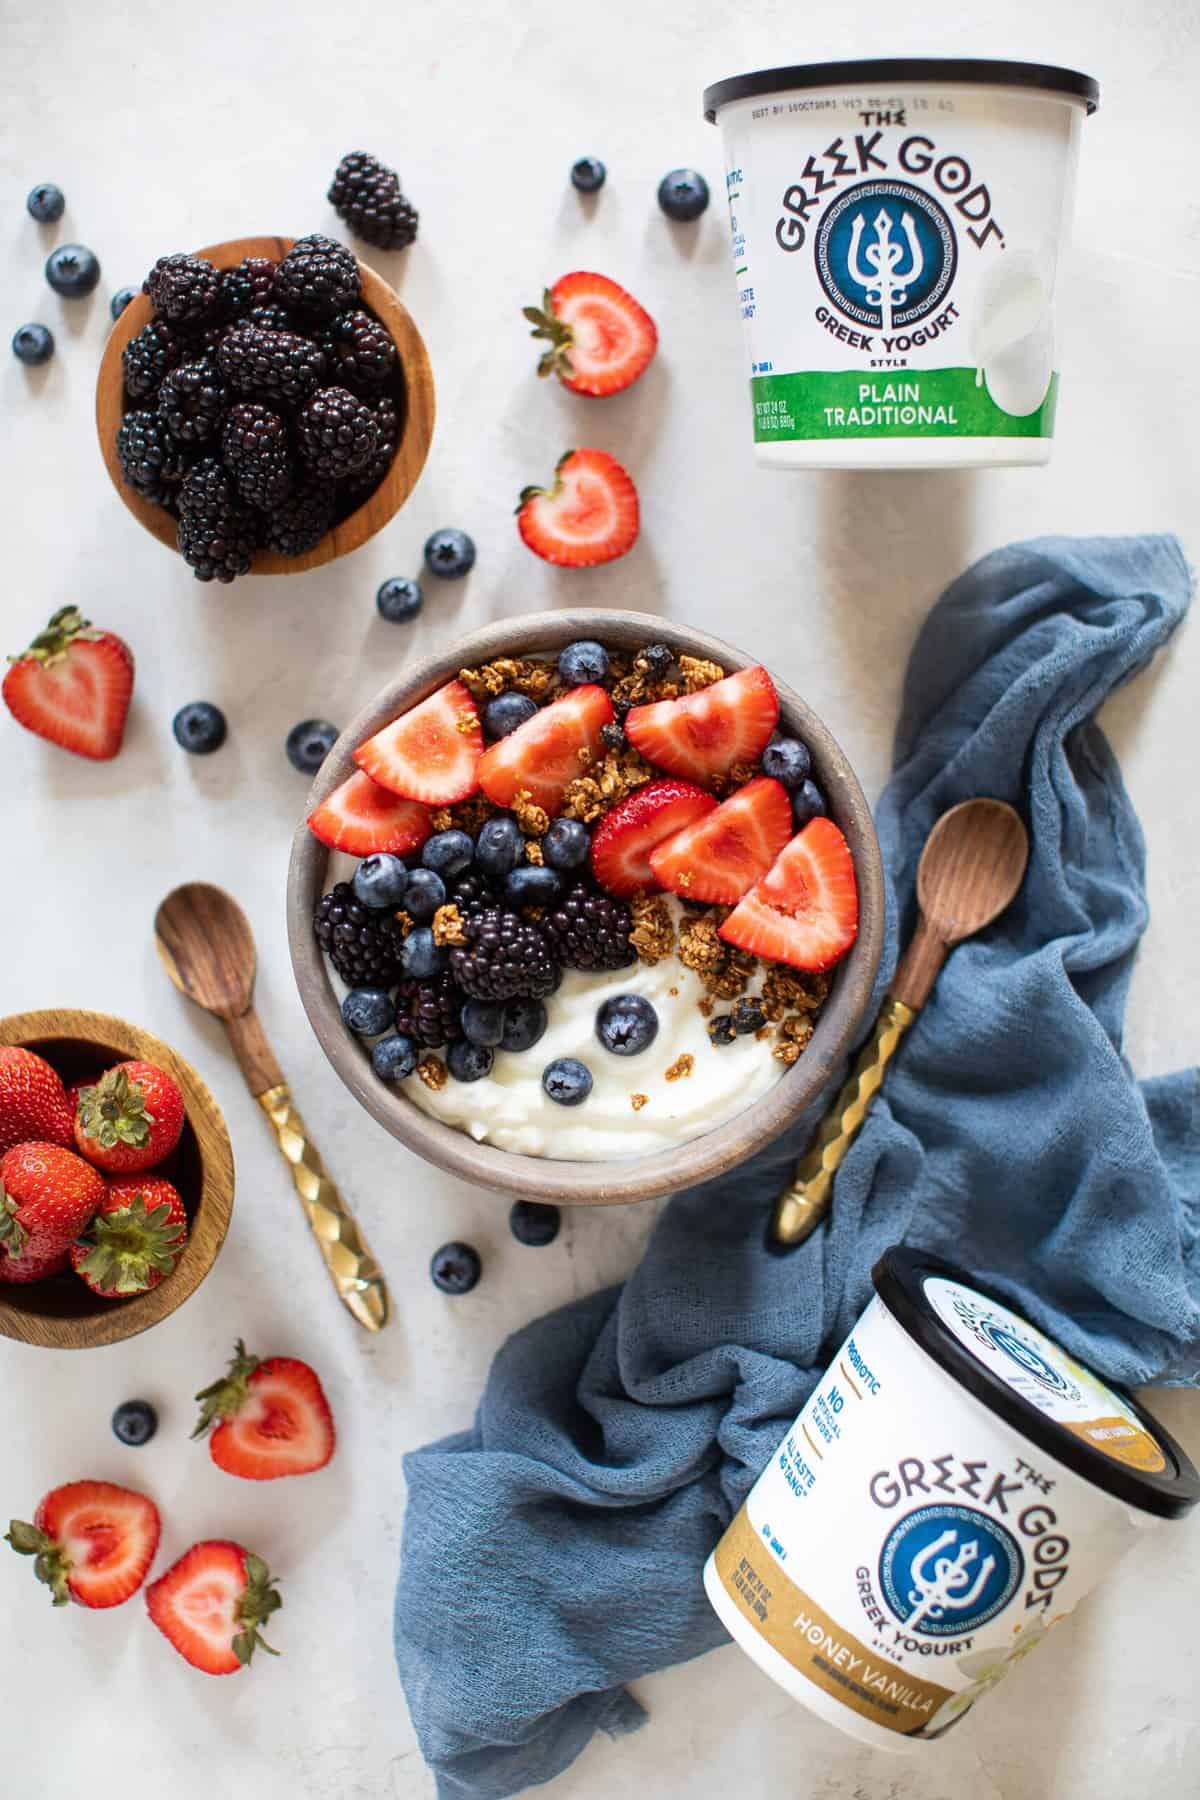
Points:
[394,1057]
[533,1223]
[503,714]
[455,1268]
[683,195]
[567,1081]
[627,1024]
[399,599]
[787,759]
[588,174]
[469,1062]
[120,301]
[45,203]
[423,893]
[33,345]
[449,553]
[309,743]
[200,728]
[72,270]
[134,1423]
[381,881]
[368,1012]
[808,803]
[583,662]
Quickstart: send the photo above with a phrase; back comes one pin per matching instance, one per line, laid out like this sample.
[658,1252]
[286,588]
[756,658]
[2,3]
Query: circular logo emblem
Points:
[1034,1364]
[947,1570]
[886,253]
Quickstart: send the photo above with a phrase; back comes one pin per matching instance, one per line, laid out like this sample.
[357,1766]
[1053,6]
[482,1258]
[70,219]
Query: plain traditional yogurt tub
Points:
[952,1489]
[897,227]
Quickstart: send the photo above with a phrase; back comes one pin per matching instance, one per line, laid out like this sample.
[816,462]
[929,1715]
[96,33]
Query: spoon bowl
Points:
[204,941]
[971,867]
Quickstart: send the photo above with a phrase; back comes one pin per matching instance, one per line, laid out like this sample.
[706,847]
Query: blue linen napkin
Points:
[553,1552]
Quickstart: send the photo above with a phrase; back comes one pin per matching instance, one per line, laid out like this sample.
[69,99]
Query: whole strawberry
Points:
[73,686]
[134,1240]
[131,1119]
[92,1542]
[211,1604]
[267,1418]
[34,1268]
[47,1197]
[33,1102]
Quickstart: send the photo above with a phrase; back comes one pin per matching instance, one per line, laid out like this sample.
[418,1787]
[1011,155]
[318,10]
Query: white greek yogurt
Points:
[953,1488]
[897,227]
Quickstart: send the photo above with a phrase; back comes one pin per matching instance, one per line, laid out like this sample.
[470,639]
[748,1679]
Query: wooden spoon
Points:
[971,867]
[204,940]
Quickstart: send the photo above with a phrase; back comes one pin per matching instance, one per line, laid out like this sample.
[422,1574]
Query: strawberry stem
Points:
[50,1562]
[221,1399]
[114,1112]
[127,1246]
[51,645]
[259,1600]
[556,360]
[13,1235]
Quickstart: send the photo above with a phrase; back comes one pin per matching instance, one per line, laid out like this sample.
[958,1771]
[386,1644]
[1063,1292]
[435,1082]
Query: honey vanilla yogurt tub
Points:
[954,1486]
[897,227]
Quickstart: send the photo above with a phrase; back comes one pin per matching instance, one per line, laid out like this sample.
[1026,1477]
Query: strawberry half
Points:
[33,1101]
[363,819]
[431,753]
[700,736]
[266,1418]
[545,754]
[627,836]
[93,1542]
[211,1604]
[804,911]
[134,1240]
[724,853]
[600,338]
[589,515]
[73,686]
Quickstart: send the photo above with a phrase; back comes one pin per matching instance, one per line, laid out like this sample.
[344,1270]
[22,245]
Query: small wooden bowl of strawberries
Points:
[116,1179]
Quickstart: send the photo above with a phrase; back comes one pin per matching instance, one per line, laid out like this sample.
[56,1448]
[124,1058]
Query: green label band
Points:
[922,403]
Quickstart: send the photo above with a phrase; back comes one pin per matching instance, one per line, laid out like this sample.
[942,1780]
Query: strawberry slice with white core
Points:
[363,819]
[431,753]
[545,754]
[92,1542]
[211,1603]
[73,686]
[589,516]
[627,836]
[268,1418]
[700,736]
[600,339]
[724,854]
[804,911]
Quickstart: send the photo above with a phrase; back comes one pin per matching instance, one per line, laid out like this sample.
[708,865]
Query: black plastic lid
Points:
[978,71]
[900,1276]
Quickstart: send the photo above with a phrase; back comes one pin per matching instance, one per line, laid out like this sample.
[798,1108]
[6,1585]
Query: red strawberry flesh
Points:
[97,1542]
[268,1418]
[804,911]
[430,753]
[604,339]
[589,516]
[701,736]
[73,687]
[627,836]
[210,1603]
[545,754]
[721,856]
[363,819]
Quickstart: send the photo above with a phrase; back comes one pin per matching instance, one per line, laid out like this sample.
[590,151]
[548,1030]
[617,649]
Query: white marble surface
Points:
[171,126]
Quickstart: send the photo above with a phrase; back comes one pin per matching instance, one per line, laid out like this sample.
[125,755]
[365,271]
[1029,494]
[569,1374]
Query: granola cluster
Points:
[524,674]
[724,971]
[533,820]
[653,934]
[608,781]
[448,927]
[433,1072]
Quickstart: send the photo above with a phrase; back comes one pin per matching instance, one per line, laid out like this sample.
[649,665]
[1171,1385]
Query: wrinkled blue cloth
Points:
[618,1435]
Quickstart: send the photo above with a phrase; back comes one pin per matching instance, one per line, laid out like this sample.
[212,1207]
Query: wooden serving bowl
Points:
[546,1178]
[416,405]
[63,1313]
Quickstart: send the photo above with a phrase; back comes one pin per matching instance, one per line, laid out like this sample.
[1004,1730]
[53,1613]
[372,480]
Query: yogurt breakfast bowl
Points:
[704,1052]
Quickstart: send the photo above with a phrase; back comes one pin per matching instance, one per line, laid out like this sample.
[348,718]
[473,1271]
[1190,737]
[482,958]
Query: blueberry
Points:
[683,194]
[588,174]
[505,713]
[45,203]
[448,853]
[120,301]
[394,1057]
[368,1012]
[33,345]
[786,759]
[309,743]
[566,845]
[469,1062]
[381,881]
[627,1024]
[135,1421]
[455,1268]
[533,886]
[808,802]
[423,894]
[449,553]
[524,1023]
[748,1016]
[583,662]
[655,660]
[533,1224]
[499,846]
[483,1022]
[72,270]
[567,1081]
[420,957]
[399,599]
[199,728]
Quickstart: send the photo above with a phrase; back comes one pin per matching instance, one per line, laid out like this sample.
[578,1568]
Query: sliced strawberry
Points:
[600,338]
[547,752]
[363,819]
[723,854]
[73,686]
[93,1542]
[211,1603]
[626,837]
[431,753]
[267,1418]
[702,735]
[589,516]
[804,911]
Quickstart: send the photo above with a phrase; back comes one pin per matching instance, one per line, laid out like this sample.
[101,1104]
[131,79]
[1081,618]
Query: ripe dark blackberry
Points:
[590,930]
[337,433]
[318,278]
[271,316]
[359,354]
[504,956]
[363,946]
[154,352]
[184,289]
[300,523]
[471,893]
[367,196]
[151,461]
[429,1010]
[387,425]
[246,286]
[275,365]
[218,530]
[191,401]
[612,736]
[255,449]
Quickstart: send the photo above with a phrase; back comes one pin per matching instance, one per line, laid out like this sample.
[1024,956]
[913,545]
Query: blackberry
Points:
[429,1011]
[184,289]
[246,286]
[149,456]
[317,277]
[504,956]
[218,530]
[612,736]
[337,433]
[303,519]
[387,426]
[363,946]
[254,448]
[271,316]
[471,893]
[367,196]
[276,365]
[359,354]
[147,358]
[654,660]
[191,401]
[590,930]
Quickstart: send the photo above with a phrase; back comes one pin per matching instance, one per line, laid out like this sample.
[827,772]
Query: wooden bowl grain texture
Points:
[416,428]
[546,1178]
[63,1313]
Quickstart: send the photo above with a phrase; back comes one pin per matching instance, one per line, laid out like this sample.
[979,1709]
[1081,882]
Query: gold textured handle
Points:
[803,1204]
[356,1275]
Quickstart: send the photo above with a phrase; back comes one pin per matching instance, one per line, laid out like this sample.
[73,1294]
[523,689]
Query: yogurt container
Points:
[896,233]
[952,1489]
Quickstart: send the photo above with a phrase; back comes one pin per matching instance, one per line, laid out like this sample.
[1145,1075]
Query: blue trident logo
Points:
[885,283]
[943,1584]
